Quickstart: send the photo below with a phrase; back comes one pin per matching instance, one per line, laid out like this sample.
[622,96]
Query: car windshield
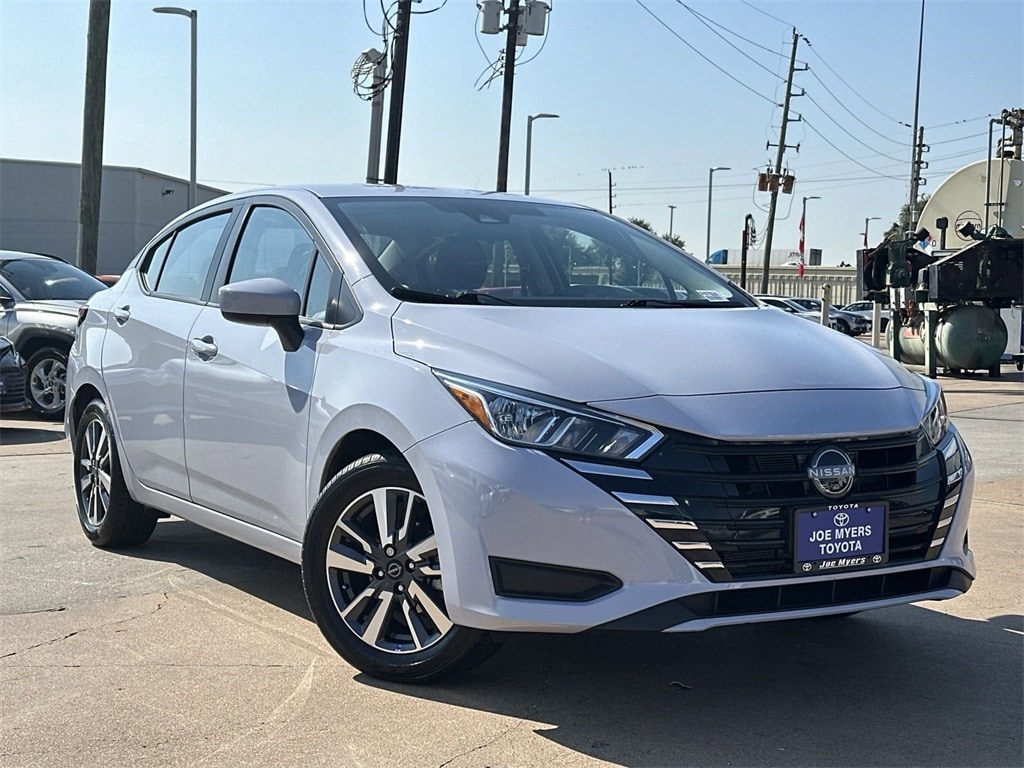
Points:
[39,279]
[523,253]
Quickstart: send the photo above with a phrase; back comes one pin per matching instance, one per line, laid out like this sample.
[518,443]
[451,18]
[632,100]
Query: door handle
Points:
[204,348]
[121,314]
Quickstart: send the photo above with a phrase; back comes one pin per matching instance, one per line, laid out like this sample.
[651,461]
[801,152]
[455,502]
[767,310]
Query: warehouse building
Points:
[39,206]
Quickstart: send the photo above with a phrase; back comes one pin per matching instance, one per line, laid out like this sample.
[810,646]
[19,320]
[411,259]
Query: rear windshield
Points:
[523,253]
[39,279]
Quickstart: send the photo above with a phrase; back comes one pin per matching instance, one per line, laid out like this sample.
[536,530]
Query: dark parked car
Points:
[39,301]
[12,378]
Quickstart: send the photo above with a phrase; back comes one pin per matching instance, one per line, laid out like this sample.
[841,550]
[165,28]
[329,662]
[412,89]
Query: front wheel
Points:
[842,326]
[373,580]
[109,516]
[47,382]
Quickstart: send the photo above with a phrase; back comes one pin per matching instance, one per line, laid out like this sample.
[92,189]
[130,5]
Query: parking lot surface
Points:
[196,650]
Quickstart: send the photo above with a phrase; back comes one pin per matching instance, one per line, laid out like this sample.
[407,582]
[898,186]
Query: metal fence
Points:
[784,281]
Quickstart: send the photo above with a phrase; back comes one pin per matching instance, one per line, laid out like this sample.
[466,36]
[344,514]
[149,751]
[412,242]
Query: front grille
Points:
[14,389]
[738,498]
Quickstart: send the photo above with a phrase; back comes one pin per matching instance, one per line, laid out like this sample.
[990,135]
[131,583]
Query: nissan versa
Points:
[467,413]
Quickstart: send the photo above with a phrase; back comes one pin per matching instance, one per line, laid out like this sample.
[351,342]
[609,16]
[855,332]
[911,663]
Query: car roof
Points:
[325,190]
[23,256]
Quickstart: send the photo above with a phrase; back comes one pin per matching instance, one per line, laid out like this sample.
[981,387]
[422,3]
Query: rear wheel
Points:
[47,381]
[107,513]
[373,579]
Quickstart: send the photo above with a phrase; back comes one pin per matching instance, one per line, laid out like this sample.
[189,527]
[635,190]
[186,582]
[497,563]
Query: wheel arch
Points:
[352,446]
[30,343]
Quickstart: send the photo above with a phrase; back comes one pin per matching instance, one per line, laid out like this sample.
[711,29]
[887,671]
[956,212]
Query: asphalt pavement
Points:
[195,650]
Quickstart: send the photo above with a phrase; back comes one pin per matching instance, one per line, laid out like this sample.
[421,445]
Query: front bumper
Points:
[508,504]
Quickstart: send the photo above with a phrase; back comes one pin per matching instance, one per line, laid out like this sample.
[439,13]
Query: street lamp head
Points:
[174,10]
[720,168]
[812,197]
[540,115]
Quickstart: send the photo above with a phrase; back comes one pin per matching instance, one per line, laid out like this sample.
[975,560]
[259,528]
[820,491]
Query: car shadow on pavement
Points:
[251,570]
[897,686]
[28,435]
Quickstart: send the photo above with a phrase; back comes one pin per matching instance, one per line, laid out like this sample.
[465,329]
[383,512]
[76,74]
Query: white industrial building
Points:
[39,206]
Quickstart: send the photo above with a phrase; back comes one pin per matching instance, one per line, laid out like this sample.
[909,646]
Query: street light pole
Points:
[529,145]
[803,226]
[711,176]
[193,17]
[671,217]
[866,220]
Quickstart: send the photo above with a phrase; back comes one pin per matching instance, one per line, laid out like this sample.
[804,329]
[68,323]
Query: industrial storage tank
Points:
[970,337]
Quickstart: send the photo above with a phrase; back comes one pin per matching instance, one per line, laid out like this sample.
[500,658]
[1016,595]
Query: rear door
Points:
[246,398]
[144,349]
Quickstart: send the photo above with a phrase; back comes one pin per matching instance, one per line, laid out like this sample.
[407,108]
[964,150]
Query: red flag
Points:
[800,267]
[801,239]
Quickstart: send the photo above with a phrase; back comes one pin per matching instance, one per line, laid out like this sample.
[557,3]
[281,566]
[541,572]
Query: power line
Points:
[845,130]
[854,90]
[733,33]
[776,18]
[709,61]
[837,149]
[851,112]
[702,20]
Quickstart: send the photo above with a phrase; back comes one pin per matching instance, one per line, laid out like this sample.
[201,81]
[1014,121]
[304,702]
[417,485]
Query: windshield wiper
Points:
[463,297]
[674,303]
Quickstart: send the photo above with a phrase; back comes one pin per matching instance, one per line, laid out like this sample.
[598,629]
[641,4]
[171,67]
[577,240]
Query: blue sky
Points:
[276,103]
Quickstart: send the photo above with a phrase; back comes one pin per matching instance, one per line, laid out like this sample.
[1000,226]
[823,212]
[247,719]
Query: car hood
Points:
[650,363]
[58,306]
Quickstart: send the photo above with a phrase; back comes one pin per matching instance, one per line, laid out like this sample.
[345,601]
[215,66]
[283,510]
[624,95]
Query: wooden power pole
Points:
[92,135]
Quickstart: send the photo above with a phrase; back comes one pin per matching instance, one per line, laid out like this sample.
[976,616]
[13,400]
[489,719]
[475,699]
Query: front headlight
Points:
[936,418]
[523,418]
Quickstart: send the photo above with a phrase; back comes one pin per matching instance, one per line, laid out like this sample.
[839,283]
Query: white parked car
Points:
[452,410]
[866,309]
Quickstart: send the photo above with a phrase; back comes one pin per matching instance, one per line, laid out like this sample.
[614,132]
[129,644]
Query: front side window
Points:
[520,252]
[273,244]
[188,262]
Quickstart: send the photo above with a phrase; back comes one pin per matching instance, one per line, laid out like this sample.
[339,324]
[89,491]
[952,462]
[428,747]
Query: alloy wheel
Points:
[383,571]
[47,383]
[94,473]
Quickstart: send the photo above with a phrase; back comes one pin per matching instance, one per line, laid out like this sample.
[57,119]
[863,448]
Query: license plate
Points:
[840,536]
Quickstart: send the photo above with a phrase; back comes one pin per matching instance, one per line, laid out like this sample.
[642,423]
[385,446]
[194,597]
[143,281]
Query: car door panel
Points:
[246,417]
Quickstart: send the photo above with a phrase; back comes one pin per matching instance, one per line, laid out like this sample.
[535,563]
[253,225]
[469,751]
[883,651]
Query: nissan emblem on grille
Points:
[831,471]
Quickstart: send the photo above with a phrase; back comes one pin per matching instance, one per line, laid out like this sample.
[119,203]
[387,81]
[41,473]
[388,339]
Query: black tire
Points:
[107,513]
[842,326]
[46,383]
[380,603]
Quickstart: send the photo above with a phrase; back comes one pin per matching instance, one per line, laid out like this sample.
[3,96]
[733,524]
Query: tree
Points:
[901,226]
[676,240]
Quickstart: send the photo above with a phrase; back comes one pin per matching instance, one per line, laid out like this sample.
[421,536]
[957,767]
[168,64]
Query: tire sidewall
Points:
[351,483]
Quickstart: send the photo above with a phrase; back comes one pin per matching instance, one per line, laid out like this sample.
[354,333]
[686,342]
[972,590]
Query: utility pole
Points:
[748,236]
[506,97]
[398,62]
[775,181]
[376,113]
[92,135]
[916,181]
[671,218]
[610,192]
[915,153]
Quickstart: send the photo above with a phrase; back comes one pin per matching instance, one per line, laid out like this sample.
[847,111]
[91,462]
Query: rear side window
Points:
[188,262]
[154,263]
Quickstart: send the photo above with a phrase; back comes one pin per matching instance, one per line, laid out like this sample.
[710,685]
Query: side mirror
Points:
[265,301]
[6,302]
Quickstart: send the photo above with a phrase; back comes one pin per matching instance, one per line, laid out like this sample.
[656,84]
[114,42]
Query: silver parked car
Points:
[457,412]
[39,301]
[866,309]
[845,322]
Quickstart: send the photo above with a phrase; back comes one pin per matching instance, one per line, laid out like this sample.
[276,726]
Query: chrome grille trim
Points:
[691,545]
[684,525]
[645,499]
[943,523]
[610,470]
[704,565]
[936,542]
